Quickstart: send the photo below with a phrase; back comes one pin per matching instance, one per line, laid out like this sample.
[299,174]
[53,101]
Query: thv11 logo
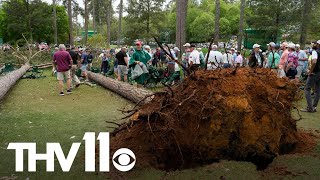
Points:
[123,159]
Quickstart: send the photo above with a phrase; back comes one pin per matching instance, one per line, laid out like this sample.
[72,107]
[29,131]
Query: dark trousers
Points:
[104,67]
[313,81]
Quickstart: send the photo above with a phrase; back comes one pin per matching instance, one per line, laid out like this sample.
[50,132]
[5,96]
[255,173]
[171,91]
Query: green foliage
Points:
[33,19]
[202,23]
[144,17]
[97,40]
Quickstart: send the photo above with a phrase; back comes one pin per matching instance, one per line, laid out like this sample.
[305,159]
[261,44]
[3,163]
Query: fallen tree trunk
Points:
[9,80]
[126,90]
[2,68]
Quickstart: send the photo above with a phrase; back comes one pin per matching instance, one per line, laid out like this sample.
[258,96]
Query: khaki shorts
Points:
[122,69]
[63,75]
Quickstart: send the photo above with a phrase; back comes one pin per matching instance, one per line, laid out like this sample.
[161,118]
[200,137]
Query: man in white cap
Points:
[313,80]
[256,58]
[194,58]
[234,54]
[303,61]
[215,59]
[187,53]
[201,56]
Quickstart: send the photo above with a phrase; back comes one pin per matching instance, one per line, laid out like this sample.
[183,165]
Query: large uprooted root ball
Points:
[214,115]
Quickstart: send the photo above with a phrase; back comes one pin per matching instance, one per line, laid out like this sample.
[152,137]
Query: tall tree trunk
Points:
[109,16]
[182,6]
[55,35]
[217,22]
[120,23]
[9,80]
[277,22]
[242,9]
[86,21]
[304,24]
[124,89]
[148,21]
[70,23]
[94,15]
[28,19]
[178,24]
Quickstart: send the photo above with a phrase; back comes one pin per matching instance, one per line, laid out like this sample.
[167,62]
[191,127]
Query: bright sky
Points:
[80,18]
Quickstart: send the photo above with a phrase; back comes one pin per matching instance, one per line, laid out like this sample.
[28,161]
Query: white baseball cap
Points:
[291,45]
[187,45]
[176,49]
[256,46]
[318,42]
[147,47]
[298,45]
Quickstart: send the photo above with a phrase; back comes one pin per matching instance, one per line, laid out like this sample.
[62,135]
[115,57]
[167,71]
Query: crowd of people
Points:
[287,60]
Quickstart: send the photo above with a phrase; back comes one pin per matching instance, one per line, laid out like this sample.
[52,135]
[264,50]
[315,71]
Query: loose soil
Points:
[227,114]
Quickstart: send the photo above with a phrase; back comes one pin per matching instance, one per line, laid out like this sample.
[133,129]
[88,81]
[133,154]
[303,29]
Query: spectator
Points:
[215,58]
[273,57]
[292,62]
[256,58]
[234,54]
[122,64]
[75,61]
[156,57]
[140,58]
[84,64]
[283,59]
[227,59]
[62,62]
[105,62]
[303,61]
[176,51]
[194,58]
[89,59]
[239,60]
[313,80]
[201,56]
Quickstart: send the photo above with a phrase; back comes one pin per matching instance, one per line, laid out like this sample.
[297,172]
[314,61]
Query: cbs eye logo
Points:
[124,159]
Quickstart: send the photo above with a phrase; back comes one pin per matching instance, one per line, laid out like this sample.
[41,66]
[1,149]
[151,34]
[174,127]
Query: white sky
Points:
[80,18]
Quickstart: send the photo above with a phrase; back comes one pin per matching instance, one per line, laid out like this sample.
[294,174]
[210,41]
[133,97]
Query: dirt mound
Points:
[222,114]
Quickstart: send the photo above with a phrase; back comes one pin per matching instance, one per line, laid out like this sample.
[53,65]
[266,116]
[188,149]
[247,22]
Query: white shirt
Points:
[194,57]
[213,55]
[227,58]
[176,67]
[314,55]
[239,59]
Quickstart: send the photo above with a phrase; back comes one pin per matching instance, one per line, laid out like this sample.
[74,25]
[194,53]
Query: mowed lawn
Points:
[33,112]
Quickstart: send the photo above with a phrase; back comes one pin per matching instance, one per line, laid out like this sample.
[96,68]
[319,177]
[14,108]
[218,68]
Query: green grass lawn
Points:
[33,112]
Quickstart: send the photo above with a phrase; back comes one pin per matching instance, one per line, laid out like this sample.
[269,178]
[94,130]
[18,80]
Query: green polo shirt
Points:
[276,59]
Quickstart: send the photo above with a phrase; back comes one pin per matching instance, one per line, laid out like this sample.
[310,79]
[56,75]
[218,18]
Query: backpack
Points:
[292,72]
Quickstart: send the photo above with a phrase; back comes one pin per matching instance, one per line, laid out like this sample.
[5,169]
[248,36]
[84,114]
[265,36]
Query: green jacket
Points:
[140,55]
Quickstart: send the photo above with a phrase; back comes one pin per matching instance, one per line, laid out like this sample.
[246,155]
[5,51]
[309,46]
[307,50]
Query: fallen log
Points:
[9,80]
[2,68]
[125,90]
